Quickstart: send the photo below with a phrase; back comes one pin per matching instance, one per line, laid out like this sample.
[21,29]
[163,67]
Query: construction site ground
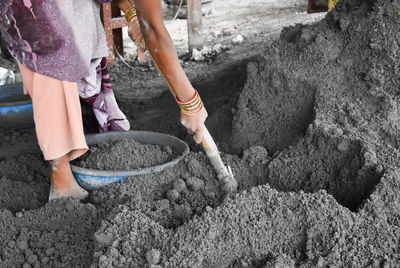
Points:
[307,116]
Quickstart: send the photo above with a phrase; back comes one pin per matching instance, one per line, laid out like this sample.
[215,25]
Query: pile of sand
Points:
[316,130]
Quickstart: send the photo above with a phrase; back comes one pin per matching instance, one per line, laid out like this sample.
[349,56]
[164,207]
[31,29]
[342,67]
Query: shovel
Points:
[224,173]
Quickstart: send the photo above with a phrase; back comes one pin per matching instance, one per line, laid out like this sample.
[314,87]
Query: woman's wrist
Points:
[186,96]
[130,14]
[192,106]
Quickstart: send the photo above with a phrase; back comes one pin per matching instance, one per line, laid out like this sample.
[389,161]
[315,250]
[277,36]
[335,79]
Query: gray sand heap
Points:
[324,99]
[316,132]
[126,154]
[57,235]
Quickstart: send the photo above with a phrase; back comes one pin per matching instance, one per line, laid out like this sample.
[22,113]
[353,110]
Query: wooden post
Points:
[195,26]
[117,32]
[106,18]
[112,29]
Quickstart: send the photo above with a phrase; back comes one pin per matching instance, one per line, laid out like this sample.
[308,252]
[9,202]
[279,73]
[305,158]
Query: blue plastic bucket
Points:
[91,179]
[16,109]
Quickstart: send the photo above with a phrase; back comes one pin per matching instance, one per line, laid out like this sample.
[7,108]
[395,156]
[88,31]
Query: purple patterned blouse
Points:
[57,38]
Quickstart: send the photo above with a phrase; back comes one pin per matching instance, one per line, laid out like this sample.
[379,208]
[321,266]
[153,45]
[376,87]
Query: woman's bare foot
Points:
[63,183]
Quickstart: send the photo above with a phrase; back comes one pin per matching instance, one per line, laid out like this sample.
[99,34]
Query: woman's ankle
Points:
[61,175]
[63,183]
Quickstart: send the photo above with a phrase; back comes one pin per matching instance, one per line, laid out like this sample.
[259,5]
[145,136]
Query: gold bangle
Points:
[130,13]
[192,106]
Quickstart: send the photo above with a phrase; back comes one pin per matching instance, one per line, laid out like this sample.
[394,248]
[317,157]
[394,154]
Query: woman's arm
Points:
[161,48]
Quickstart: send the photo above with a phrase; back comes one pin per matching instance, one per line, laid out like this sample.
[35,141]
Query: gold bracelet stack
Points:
[191,107]
[130,13]
[332,4]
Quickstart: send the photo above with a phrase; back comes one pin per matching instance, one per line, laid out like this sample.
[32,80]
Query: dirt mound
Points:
[341,70]
[315,130]
[59,234]
[323,101]
[23,182]
[175,195]
[259,227]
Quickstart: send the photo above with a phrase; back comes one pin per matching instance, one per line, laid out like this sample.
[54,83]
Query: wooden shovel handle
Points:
[208,142]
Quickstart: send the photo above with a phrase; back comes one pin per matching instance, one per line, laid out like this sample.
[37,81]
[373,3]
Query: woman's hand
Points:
[136,35]
[195,124]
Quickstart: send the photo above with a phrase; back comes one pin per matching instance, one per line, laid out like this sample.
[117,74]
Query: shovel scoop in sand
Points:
[224,173]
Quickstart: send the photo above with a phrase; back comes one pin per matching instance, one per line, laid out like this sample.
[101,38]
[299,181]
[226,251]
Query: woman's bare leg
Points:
[63,183]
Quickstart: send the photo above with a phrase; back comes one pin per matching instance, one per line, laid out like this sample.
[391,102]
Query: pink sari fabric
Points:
[57,115]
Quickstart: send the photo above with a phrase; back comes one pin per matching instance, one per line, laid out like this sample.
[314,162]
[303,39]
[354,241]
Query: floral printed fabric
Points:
[95,90]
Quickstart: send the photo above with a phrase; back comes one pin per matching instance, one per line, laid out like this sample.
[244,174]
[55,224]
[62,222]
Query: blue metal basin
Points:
[91,179]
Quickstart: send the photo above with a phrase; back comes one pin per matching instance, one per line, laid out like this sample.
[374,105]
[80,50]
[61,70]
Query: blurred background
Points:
[225,23]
